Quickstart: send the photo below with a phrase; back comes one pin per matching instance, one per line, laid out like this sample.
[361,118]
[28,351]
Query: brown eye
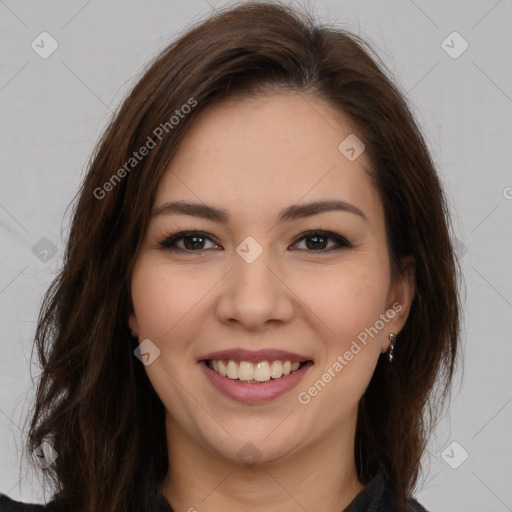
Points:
[318,241]
[193,241]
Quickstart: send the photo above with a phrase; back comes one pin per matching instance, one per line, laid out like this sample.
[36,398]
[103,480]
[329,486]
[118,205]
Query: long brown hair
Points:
[93,396]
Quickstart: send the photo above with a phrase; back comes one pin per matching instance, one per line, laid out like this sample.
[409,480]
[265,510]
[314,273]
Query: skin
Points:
[254,157]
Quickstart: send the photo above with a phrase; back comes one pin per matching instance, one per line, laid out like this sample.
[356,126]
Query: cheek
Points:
[163,297]
[349,303]
[165,300]
[348,298]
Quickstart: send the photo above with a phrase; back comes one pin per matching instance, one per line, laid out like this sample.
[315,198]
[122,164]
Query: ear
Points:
[133,325]
[400,298]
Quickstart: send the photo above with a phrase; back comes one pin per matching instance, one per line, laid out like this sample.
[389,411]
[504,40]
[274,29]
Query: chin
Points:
[253,451]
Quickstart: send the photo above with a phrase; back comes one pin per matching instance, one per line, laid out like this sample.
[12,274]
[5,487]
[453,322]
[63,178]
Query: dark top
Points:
[377,496]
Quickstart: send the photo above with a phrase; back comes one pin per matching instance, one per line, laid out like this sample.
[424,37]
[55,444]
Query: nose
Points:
[256,295]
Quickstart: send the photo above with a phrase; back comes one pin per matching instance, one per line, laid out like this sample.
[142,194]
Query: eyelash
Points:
[171,237]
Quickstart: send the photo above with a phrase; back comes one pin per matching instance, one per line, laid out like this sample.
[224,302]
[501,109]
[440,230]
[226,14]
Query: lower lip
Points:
[256,392]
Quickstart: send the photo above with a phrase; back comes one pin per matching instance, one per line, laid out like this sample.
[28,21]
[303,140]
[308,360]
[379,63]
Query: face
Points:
[295,303]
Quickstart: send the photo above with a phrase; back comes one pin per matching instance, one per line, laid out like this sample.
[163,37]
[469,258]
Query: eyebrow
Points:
[289,213]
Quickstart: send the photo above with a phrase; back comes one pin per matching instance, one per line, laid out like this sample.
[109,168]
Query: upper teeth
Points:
[245,370]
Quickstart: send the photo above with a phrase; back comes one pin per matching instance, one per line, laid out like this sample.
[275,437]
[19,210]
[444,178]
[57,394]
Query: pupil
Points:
[315,237]
[191,245]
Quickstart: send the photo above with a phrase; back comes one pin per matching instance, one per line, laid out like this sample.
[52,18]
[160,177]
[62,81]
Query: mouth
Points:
[254,373]
[254,376]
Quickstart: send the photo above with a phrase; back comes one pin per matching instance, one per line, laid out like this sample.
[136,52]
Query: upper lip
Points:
[241,354]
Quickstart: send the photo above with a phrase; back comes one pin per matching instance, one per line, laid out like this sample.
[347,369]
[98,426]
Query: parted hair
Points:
[93,397]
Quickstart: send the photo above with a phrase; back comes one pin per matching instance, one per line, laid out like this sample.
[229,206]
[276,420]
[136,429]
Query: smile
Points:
[254,376]
[254,373]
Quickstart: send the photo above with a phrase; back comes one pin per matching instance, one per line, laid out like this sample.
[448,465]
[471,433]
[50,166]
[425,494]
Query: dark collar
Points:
[377,496]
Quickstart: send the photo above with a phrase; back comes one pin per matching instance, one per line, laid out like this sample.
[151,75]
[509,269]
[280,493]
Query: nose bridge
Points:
[253,294]
[254,277]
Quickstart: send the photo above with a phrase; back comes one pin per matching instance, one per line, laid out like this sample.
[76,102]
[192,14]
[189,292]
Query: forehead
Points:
[267,151]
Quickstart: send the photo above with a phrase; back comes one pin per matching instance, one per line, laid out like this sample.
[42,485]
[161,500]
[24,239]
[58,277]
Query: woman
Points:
[258,307]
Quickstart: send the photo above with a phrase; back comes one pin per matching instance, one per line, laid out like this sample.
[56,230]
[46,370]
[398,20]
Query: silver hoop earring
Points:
[392,341]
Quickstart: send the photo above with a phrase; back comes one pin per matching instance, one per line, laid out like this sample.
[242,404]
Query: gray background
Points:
[53,110]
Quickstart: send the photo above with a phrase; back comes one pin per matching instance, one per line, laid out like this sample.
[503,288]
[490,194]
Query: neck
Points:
[320,477]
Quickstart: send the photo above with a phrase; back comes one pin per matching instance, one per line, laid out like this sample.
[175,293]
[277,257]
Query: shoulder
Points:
[9,505]
[414,506]
[379,495]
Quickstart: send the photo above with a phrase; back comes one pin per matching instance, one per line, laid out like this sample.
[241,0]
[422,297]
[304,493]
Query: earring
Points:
[392,341]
